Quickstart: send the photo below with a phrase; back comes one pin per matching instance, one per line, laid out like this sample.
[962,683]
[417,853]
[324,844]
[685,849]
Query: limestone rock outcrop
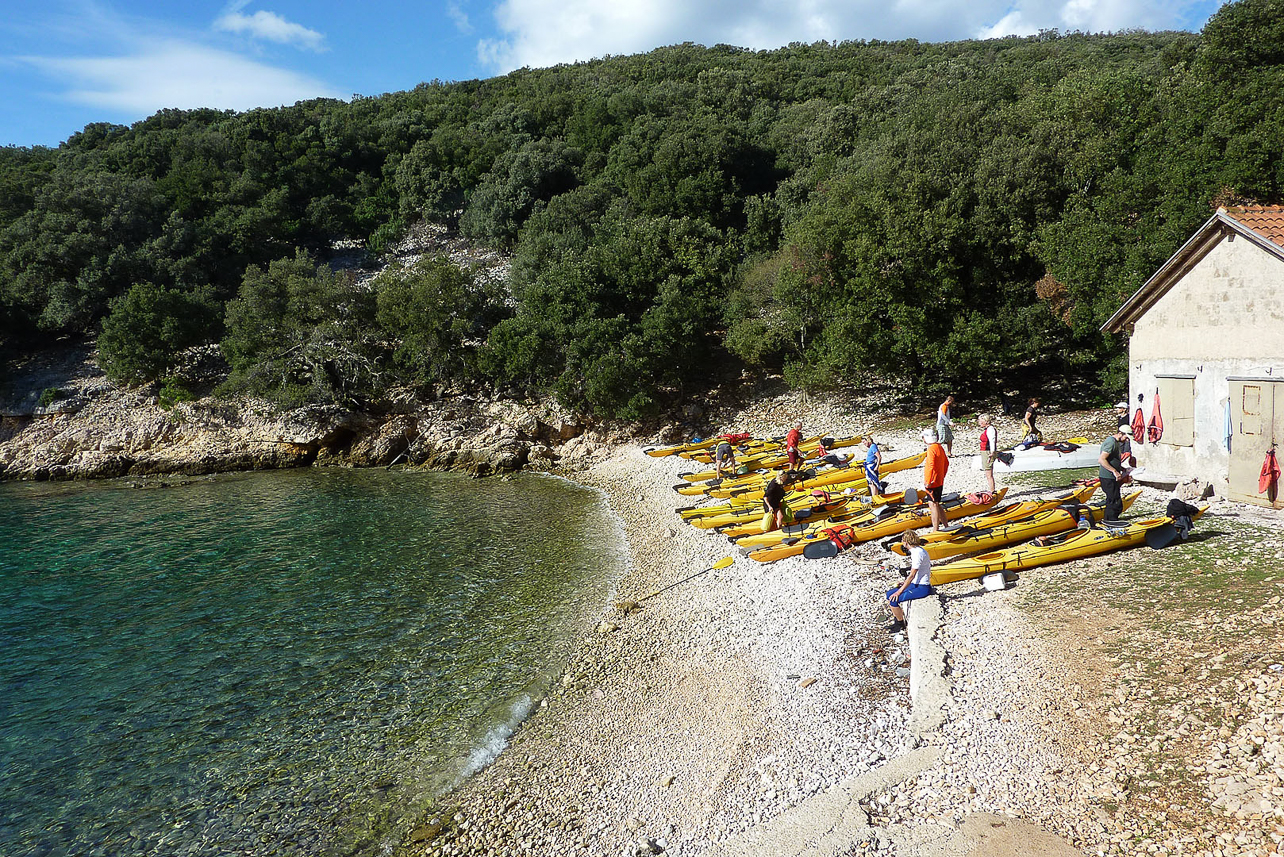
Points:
[92,428]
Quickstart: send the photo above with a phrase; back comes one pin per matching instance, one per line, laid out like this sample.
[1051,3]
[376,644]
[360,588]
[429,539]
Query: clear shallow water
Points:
[275,663]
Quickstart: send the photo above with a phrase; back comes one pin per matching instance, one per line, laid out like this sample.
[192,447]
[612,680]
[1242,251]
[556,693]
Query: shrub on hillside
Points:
[148,326]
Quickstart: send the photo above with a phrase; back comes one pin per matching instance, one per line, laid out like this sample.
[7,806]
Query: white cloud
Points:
[1011,24]
[178,74]
[459,17]
[268,26]
[546,32]
[1090,16]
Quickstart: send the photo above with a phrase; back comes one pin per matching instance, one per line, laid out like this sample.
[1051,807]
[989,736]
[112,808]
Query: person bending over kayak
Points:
[1032,435]
[918,583]
[935,466]
[1114,451]
[773,501]
[873,460]
[724,456]
[791,446]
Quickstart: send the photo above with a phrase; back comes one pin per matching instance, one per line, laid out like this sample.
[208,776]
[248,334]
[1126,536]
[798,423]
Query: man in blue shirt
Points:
[873,459]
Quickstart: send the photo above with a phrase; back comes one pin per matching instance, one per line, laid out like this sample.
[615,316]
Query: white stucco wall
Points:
[1208,458]
[1224,319]
[1228,307]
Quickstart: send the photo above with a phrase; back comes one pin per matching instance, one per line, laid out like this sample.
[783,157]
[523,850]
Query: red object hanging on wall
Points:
[1139,427]
[1156,429]
[1268,482]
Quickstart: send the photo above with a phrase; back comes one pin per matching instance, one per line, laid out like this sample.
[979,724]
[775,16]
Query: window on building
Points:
[1251,410]
[1177,404]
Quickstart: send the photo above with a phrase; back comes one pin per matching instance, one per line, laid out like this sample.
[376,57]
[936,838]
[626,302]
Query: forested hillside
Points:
[944,214]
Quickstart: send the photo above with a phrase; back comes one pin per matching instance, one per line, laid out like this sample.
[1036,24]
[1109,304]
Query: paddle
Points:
[628,606]
[1162,536]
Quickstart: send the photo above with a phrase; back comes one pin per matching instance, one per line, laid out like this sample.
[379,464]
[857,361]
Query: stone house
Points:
[1206,333]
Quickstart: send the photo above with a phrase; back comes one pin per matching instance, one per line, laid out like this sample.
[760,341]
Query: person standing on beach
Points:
[1112,473]
[989,443]
[773,501]
[918,583]
[1121,416]
[873,460]
[724,456]
[935,466]
[791,446]
[945,425]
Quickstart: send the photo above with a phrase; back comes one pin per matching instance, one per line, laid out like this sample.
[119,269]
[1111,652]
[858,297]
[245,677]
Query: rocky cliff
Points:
[61,418]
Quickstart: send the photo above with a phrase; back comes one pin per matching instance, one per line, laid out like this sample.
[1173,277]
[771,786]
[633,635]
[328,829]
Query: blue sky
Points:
[66,63]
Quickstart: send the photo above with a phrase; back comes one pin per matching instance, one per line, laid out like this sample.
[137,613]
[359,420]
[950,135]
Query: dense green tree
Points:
[614,318]
[940,214]
[1244,37]
[519,182]
[299,332]
[149,326]
[437,314]
[84,241]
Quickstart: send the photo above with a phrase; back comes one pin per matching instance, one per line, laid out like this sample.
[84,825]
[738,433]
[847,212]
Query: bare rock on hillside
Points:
[387,444]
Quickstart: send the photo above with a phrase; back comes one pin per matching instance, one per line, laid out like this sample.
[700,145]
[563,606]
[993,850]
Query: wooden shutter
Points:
[1177,404]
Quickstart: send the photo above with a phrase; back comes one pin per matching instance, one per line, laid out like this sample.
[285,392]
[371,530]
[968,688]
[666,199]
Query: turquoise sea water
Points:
[275,663]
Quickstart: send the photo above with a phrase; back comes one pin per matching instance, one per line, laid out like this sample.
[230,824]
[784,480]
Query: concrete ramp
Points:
[826,825]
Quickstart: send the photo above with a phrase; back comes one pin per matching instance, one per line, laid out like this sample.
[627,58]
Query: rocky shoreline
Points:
[761,702]
[690,725]
[90,428]
[765,709]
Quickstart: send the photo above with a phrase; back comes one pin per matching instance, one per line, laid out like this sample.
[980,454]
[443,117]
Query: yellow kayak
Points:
[754,464]
[750,518]
[753,446]
[885,525]
[1008,513]
[865,505]
[678,449]
[753,525]
[740,504]
[1061,548]
[756,539]
[776,445]
[744,466]
[838,477]
[753,484]
[1046,523]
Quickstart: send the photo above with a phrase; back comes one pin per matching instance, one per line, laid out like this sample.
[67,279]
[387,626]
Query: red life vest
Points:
[1156,429]
[1139,427]
[1269,479]
[985,439]
[840,536]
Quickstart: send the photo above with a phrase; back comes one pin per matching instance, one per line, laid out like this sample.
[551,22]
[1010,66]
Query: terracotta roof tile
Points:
[1265,220]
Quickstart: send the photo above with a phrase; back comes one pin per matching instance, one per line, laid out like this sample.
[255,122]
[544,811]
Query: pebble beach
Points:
[768,706]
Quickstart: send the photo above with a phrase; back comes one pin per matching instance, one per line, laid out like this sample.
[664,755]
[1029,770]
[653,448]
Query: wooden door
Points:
[1257,423]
